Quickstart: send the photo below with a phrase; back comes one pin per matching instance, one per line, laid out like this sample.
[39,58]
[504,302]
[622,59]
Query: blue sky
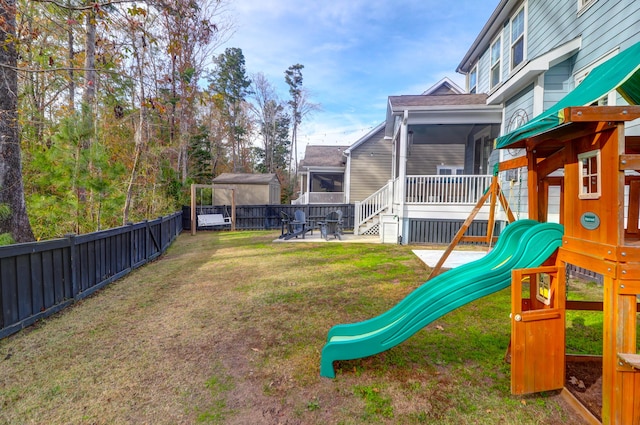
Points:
[356,53]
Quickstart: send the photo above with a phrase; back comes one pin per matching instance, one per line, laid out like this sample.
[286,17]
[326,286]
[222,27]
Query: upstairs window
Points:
[496,60]
[517,38]
[473,80]
[589,174]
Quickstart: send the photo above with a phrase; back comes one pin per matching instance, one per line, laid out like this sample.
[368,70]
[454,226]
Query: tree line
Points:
[110,110]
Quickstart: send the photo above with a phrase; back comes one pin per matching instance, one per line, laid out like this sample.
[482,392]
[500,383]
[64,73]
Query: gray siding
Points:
[522,101]
[551,23]
[370,167]
[484,73]
[606,25]
[558,81]
[424,159]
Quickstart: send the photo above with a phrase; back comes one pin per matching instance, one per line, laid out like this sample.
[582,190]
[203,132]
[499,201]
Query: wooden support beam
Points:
[629,162]
[512,164]
[551,163]
[601,113]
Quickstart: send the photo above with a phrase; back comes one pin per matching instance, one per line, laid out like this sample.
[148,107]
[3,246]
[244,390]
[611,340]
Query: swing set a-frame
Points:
[495,195]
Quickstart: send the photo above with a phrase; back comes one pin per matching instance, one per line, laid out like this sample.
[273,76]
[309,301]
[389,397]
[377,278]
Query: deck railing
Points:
[373,205]
[465,189]
[319,198]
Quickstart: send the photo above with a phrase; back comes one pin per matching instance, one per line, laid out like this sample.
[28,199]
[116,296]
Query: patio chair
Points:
[285,225]
[331,225]
[297,226]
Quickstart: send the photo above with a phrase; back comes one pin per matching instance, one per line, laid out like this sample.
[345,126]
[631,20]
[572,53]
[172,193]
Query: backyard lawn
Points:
[227,328]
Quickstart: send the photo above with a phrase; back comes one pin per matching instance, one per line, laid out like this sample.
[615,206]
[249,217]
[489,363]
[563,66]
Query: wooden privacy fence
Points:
[38,279]
[267,217]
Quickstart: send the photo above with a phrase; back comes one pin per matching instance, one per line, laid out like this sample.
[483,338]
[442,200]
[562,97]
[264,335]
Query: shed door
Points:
[537,330]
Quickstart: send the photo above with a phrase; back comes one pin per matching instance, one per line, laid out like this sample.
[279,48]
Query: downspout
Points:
[402,176]
[308,185]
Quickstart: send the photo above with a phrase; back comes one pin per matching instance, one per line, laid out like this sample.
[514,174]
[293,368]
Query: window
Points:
[517,38]
[327,182]
[473,80]
[450,170]
[589,174]
[496,59]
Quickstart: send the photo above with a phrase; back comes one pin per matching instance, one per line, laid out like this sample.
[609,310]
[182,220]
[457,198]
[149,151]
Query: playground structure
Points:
[202,219]
[582,150]
[600,234]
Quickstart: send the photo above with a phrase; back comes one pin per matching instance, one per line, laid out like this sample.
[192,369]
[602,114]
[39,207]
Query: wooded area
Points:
[109,110]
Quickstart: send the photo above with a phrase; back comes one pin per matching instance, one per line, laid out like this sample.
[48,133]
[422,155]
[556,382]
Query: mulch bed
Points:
[584,380]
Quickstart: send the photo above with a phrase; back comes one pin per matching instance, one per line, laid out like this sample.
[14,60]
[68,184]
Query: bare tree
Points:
[267,108]
[300,106]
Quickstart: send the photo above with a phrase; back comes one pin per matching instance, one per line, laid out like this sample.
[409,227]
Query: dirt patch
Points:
[584,381]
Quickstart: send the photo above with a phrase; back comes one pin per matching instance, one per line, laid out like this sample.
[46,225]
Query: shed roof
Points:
[323,156]
[245,178]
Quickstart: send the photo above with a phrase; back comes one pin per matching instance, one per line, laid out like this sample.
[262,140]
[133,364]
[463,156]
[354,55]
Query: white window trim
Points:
[583,5]
[500,60]
[524,37]
[597,193]
[475,68]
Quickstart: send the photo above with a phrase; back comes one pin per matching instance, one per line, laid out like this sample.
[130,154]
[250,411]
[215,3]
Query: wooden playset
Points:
[599,209]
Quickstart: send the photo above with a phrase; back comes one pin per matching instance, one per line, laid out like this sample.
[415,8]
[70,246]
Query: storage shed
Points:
[250,189]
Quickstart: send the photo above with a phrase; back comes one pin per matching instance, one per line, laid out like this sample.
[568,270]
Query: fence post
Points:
[73,262]
[147,241]
[132,245]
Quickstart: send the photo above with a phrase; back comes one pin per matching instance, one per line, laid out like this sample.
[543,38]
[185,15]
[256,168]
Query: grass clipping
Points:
[227,328]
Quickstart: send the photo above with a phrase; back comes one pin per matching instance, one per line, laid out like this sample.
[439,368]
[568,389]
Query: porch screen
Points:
[326,182]
[621,73]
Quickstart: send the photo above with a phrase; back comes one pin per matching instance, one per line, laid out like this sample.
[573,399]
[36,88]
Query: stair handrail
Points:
[373,205]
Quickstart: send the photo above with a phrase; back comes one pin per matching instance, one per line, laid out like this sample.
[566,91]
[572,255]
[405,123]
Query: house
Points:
[249,189]
[424,141]
[445,132]
[531,53]
[322,175]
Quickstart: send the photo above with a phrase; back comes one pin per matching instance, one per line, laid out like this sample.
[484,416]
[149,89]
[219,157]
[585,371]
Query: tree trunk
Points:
[16,221]
[89,94]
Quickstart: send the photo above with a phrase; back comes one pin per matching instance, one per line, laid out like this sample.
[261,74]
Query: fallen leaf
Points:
[523,402]
[440,328]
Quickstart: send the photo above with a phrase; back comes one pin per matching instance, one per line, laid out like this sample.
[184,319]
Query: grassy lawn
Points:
[227,328]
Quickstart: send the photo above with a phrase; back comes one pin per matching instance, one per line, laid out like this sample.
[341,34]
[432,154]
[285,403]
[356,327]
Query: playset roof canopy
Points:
[621,73]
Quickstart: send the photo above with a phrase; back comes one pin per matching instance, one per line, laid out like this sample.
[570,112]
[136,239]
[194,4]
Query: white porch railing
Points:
[372,206]
[319,198]
[302,200]
[446,189]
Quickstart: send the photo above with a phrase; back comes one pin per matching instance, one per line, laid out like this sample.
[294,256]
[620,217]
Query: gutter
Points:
[485,36]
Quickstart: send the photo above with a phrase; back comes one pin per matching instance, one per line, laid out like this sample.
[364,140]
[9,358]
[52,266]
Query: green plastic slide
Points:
[523,244]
